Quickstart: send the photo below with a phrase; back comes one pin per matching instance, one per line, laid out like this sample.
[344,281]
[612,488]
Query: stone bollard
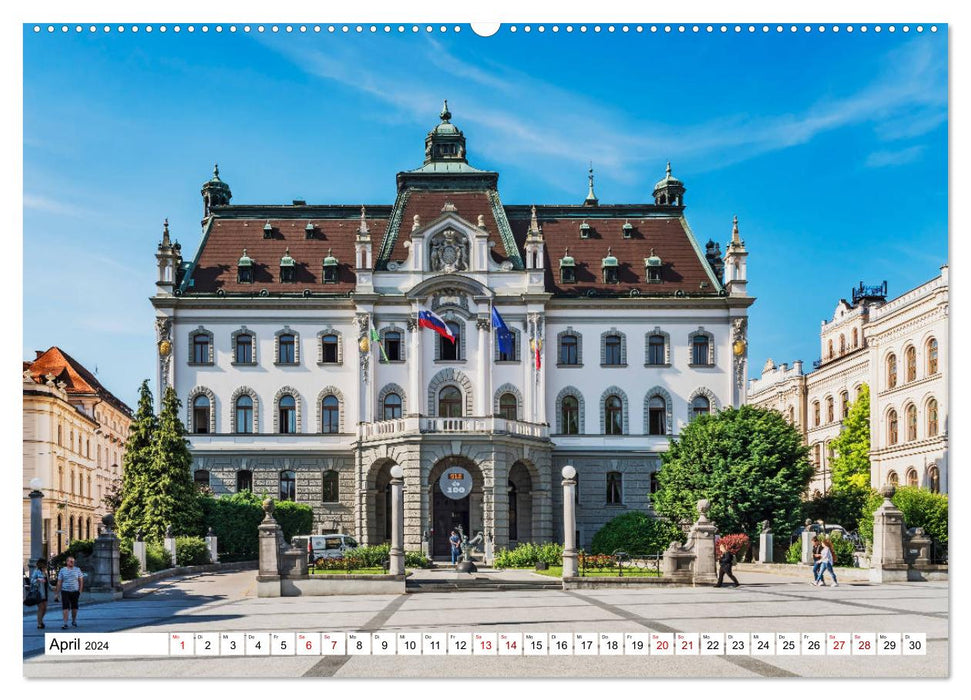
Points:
[138,549]
[396,565]
[887,563]
[806,557]
[212,546]
[569,521]
[702,541]
[765,543]
[169,545]
[271,534]
[106,559]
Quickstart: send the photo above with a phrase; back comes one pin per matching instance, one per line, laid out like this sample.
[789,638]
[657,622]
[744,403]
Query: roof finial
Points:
[668,171]
[445,115]
[215,171]
[735,239]
[166,241]
[591,197]
[533,223]
[363,229]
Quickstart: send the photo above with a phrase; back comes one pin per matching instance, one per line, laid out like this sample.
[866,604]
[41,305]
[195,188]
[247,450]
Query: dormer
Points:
[244,269]
[568,271]
[610,268]
[288,269]
[584,230]
[310,231]
[330,267]
[267,230]
[628,229]
[653,267]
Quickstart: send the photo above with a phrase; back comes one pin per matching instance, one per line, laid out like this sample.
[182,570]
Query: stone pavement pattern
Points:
[768,603]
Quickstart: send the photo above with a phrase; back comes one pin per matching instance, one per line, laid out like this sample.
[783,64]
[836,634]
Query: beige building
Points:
[74,440]
[898,348]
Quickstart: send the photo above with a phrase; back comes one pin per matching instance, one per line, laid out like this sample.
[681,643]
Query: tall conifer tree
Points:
[136,465]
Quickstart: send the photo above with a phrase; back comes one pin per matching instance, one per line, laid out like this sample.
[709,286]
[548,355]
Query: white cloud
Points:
[53,206]
[880,159]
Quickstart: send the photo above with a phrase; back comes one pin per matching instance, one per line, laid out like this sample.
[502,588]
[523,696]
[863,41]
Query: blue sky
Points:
[830,148]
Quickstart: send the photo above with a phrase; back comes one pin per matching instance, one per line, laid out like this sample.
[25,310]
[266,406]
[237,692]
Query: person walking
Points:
[38,584]
[70,583]
[817,558]
[456,542]
[826,563]
[725,567]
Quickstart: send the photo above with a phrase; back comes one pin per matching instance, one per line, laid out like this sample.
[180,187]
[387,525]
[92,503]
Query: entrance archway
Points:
[449,513]
[379,502]
[520,492]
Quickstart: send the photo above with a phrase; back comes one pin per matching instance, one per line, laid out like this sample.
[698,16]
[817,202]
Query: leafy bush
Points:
[295,518]
[921,508]
[129,562]
[736,544]
[235,521]
[349,561]
[528,554]
[81,550]
[842,550]
[370,556]
[417,560]
[794,553]
[842,507]
[636,533]
[190,550]
[598,562]
[156,557]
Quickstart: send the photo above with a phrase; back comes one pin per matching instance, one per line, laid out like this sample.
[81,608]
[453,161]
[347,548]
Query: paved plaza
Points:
[227,602]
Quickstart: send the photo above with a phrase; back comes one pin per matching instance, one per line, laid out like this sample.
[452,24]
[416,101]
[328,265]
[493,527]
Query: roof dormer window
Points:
[310,231]
[610,268]
[267,230]
[288,268]
[244,269]
[653,266]
[628,228]
[584,230]
[330,268]
[568,270]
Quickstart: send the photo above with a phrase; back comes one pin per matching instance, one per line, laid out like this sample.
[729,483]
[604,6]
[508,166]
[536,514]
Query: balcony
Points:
[419,425]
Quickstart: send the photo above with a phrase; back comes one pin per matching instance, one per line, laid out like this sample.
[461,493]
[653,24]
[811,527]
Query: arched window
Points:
[392,406]
[818,455]
[700,350]
[513,511]
[244,480]
[932,418]
[508,406]
[244,414]
[288,414]
[891,371]
[911,422]
[893,479]
[830,416]
[328,349]
[201,478]
[448,350]
[243,349]
[450,402]
[286,349]
[816,413]
[910,361]
[200,414]
[569,346]
[615,490]
[892,427]
[288,485]
[614,415]
[657,416]
[655,350]
[842,344]
[331,487]
[570,415]
[932,356]
[330,414]
[700,406]
[845,404]
[612,347]
[830,348]
[911,477]
[934,479]
[856,338]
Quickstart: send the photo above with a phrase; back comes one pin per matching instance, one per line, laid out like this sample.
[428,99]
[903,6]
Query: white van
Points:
[326,546]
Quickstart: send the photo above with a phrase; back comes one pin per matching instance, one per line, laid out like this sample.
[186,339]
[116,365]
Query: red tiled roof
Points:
[683,268]
[77,378]
[216,267]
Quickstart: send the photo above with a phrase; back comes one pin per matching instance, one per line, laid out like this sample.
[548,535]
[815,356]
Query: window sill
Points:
[450,362]
[609,366]
[201,364]
[568,366]
[286,364]
[330,364]
[703,366]
[665,364]
[507,362]
[243,364]
[382,362]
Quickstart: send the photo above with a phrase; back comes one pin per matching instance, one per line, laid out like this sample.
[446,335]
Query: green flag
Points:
[375,338]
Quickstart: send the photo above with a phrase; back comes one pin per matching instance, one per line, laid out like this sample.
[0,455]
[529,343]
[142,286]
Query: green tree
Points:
[172,498]
[748,462]
[136,463]
[921,508]
[850,467]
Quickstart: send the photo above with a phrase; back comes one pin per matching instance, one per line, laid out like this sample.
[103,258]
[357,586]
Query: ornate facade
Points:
[899,349]
[623,328]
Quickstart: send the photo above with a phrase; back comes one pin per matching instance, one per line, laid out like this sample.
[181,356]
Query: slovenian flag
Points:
[429,319]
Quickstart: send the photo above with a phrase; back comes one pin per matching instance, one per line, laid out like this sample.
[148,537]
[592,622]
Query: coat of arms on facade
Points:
[449,252]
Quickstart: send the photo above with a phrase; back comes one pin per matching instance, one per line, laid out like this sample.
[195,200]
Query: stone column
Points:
[765,543]
[106,559]
[397,554]
[888,562]
[36,525]
[569,521]
[169,544]
[484,403]
[212,543]
[138,549]
[807,543]
[415,363]
[702,539]
[270,535]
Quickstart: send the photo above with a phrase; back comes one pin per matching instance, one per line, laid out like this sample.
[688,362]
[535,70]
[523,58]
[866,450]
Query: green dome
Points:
[286,260]
[330,260]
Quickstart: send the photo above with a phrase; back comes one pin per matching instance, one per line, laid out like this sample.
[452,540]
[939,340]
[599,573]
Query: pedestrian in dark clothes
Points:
[725,567]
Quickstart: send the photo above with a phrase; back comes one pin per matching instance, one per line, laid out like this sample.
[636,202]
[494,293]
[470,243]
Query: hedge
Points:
[636,533]
[235,521]
[191,550]
[921,508]
[528,554]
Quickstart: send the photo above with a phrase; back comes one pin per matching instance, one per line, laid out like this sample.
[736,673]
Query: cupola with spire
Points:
[669,191]
[445,143]
[215,193]
[735,264]
[169,257]
[591,200]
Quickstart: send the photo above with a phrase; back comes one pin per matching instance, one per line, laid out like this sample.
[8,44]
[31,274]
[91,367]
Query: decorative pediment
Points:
[448,251]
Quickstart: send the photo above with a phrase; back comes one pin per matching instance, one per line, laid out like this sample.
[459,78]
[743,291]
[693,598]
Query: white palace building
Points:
[624,328]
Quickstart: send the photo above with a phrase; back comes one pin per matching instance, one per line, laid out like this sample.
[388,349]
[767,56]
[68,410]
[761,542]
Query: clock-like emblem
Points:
[164,348]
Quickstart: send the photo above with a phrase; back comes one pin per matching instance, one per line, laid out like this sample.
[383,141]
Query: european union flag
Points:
[503,334]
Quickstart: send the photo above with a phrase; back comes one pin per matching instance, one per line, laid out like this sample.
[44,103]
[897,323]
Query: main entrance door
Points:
[449,513]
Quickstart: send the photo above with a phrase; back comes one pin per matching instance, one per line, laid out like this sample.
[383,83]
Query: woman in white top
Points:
[826,563]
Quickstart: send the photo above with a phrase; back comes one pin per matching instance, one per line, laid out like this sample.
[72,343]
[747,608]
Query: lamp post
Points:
[36,520]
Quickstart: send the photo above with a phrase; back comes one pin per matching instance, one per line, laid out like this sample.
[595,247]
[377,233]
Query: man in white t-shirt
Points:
[70,583]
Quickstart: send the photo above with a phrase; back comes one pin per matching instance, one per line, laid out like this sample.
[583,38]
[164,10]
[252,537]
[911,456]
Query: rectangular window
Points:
[287,350]
[568,350]
[699,348]
[392,346]
[655,350]
[200,349]
[244,349]
[612,347]
[329,349]
[614,488]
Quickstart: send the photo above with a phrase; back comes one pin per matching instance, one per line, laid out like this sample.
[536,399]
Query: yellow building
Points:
[74,440]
